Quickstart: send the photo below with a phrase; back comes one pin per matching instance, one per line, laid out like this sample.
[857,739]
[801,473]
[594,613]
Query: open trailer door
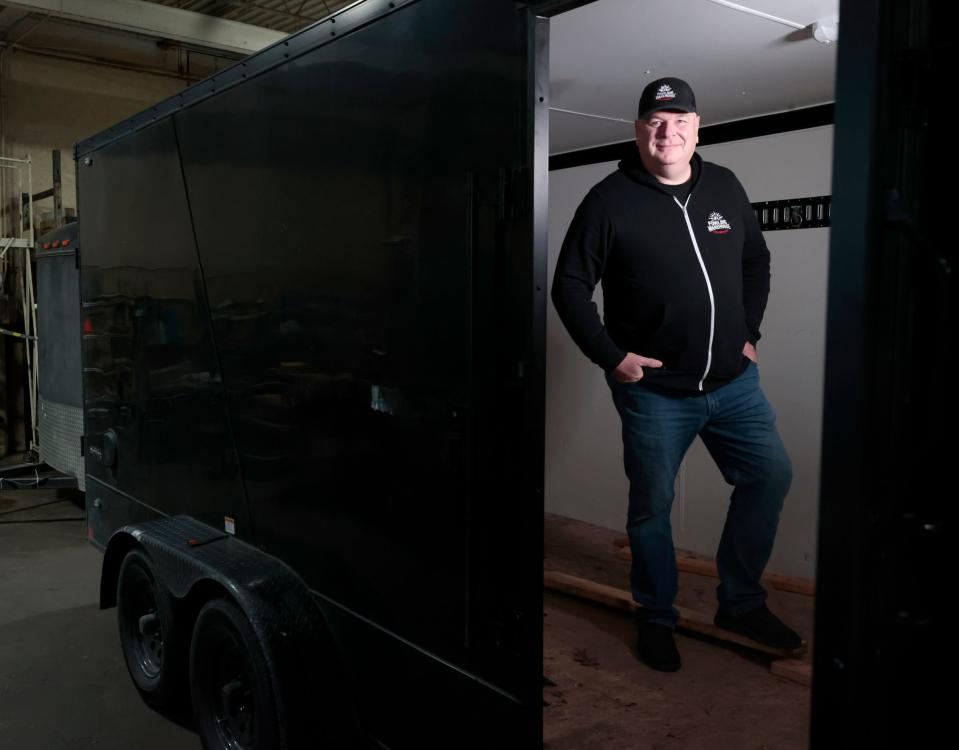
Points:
[357,203]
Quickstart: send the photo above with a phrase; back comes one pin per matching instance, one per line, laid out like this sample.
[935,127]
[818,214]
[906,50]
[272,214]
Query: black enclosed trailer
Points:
[313,383]
[313,295]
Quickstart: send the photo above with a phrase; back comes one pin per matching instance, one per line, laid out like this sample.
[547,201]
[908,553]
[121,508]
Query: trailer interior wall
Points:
[584,451]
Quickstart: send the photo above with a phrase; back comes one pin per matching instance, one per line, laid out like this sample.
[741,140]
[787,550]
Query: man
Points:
[685,274]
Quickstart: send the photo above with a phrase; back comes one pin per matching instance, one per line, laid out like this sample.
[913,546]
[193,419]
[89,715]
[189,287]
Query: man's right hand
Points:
[630,370]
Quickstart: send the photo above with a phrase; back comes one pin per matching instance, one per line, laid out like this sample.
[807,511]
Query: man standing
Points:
[685,274]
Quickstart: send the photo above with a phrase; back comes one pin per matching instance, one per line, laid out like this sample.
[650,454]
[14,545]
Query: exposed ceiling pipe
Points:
[93,60]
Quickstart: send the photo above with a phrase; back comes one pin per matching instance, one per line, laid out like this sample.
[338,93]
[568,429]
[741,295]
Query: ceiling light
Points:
[826,30]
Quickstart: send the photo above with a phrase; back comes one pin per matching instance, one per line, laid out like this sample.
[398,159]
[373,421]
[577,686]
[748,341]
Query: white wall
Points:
[584,451]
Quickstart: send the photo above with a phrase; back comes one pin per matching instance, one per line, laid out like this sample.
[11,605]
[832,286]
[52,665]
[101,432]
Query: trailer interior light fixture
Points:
[826,30]
[823,30]
[759,14]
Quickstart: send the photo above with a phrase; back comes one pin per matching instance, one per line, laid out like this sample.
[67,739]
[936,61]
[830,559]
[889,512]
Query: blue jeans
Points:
[738,427]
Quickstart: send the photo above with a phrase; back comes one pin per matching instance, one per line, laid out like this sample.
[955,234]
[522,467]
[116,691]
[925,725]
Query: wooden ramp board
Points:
[697,565]
[689,619]
[793,669]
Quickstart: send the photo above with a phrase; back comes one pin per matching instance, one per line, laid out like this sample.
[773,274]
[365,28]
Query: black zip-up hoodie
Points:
[686,285]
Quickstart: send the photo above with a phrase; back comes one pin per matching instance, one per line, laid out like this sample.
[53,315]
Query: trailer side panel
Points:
[154,412]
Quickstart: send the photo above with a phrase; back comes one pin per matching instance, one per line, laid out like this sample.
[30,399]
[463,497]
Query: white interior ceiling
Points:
[739,65]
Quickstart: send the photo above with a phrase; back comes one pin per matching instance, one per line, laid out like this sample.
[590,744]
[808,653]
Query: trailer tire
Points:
[234,707]
[153,647]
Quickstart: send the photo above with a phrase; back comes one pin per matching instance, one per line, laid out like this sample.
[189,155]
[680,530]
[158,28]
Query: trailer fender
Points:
[197,562]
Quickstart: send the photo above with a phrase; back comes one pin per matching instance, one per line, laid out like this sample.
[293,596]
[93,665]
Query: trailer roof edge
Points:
[324,31]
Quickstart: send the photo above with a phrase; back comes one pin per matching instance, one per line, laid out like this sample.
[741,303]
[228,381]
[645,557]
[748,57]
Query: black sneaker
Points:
[657,648]
[762,626]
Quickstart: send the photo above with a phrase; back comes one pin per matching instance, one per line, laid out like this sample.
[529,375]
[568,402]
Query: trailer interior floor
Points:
[723,698]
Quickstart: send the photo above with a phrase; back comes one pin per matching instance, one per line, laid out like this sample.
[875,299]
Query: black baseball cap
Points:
[666,93]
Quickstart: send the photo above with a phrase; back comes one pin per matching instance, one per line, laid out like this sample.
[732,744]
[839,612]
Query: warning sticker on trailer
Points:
[229,525]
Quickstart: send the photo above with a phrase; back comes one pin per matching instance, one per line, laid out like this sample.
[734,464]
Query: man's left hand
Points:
[750,351]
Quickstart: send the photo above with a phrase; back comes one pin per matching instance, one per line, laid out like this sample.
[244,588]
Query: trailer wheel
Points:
[233,701]
[150,638]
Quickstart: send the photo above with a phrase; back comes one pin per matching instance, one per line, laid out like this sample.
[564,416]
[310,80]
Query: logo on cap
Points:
[665,93]
[716,224]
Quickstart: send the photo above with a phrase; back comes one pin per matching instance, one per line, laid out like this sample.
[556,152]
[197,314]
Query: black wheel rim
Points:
[143,623]
[232,696]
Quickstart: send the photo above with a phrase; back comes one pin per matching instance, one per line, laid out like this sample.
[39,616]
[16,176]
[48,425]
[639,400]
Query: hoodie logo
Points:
[716,224]
[665,93]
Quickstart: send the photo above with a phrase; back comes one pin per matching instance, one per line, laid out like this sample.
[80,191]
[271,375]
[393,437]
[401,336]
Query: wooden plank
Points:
[795,670]
[697,565]
[689,619]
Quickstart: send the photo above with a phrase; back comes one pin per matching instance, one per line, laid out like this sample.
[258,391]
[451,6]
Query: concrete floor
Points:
[63,683]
